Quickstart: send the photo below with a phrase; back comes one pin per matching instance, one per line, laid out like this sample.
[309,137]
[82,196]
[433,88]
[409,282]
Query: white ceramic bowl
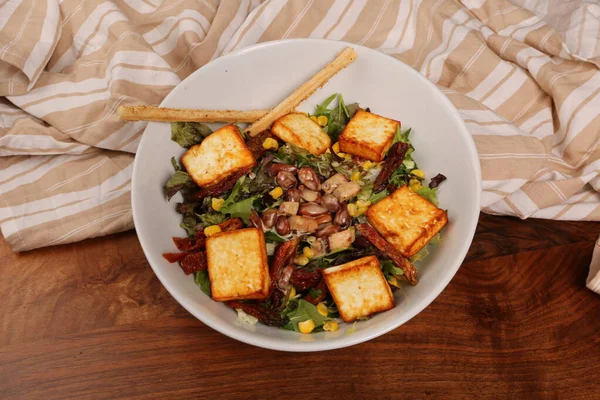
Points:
[260,77]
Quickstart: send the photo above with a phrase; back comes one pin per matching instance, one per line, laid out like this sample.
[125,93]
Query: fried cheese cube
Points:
[359,288]
[221,154]
[300,130]
[237,265]
[368,135]
[407,220]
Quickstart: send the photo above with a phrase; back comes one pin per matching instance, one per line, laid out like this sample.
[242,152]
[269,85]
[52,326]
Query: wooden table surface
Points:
[90,320]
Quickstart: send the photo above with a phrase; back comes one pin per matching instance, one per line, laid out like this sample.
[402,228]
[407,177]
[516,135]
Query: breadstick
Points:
[161,114]
[303,92]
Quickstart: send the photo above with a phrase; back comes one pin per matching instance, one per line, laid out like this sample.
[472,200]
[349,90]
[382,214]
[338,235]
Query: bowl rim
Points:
[348,340]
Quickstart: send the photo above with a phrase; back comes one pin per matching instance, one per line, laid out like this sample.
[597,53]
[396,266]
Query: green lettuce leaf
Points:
[429,194]
[202,281]
[389,268]
[240,209]
[187,134]
[211,218]
[272,237]
[189,224]
[375,197]
[304,312]
[176,183]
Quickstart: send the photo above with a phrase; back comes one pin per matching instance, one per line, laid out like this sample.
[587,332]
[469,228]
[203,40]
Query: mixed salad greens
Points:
[256,196]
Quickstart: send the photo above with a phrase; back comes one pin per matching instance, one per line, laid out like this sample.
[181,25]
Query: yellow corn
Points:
[322,309]
[301,260]
[363,203]
[292,292]
[414,184]
[346,156]
[331,326]
[314,118]
[322,120]
[308,252]
[216,203]
[211,230]
[368,165]
[418,173]
[361,211]
[336,147]
[276,193]
[270,143]
[353,210]
[356,176]
[392,280]
[306,326]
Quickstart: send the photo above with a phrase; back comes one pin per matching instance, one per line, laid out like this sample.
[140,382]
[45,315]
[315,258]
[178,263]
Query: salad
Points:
[321,214]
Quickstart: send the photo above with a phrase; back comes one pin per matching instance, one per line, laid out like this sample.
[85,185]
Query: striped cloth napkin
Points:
[523,74]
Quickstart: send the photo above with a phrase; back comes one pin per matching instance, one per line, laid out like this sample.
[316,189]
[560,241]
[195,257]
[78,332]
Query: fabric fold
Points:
[524,76]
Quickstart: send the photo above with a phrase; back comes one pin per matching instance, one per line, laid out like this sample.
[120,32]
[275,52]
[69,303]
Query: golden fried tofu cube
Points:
[368,135]
[221,154]
[407,220]
[359,288]
[300,130]
[237,265]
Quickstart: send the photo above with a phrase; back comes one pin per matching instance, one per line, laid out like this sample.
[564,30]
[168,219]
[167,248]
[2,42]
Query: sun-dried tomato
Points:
[402,262]
[255,143]
[393,160]
[259,311]
[194,262]
[174,257]
[187,244]
[303,279]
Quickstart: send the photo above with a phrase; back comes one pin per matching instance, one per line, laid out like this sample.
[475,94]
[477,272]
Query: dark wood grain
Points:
[90,320]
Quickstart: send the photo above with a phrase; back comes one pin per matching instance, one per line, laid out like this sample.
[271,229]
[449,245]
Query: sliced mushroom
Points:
[341,240]
[346,191]
[333,182]
[289,207]
[320,247]
[303,224]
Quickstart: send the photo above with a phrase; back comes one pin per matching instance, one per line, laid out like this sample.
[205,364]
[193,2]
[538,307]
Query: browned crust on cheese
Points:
[249,161]
[281,125]
[355,147]
[354,268]
[264,271]
[435,223]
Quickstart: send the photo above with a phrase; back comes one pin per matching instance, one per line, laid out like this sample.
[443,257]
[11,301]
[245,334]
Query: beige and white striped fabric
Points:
[523,74]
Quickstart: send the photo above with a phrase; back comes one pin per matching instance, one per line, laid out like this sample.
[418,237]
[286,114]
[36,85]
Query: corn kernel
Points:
[306,326]
[322,309]
[414,184]
[361,211]
[356,176]
[314,118]
[346,156]
[217,203]
[211,230]
[308,252]
[336,147]
[331,326]
[392,280]
[292,292]
[363,203]
[270,143]
[418,173]
[322,120]
[352,210]
[276,193]
[368,165]
[301,260]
